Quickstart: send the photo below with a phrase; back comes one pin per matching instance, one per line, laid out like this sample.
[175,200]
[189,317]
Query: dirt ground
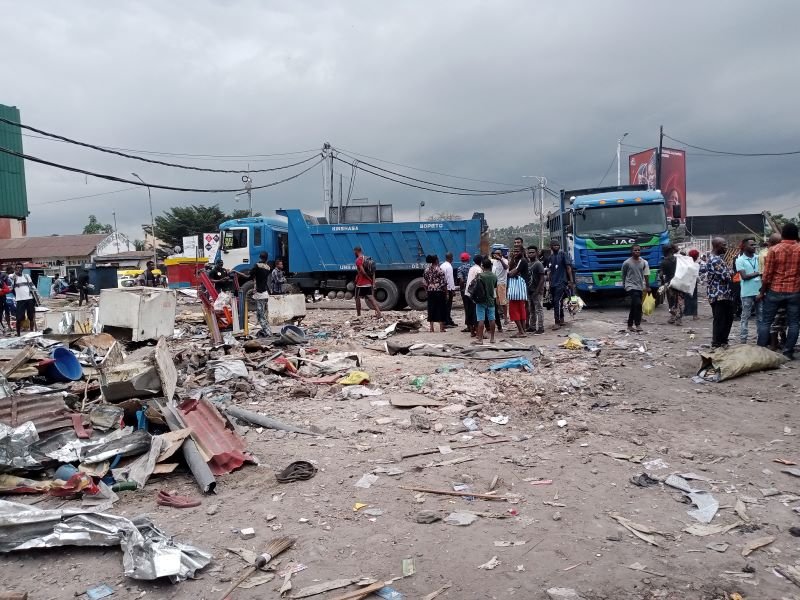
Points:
[636,398]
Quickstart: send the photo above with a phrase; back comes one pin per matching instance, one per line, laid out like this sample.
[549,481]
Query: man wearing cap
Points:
[462,273]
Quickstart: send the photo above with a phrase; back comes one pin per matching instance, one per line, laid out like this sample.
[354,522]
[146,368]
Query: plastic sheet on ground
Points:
[737,361]
[354,392]
[513,363]
[225,370]
[707,505]
[501,350]
[148,553]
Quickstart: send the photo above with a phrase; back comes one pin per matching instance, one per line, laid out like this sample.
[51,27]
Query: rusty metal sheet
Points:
[224,450]
[48,412]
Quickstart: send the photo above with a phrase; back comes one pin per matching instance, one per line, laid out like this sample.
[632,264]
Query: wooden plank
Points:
[19,359]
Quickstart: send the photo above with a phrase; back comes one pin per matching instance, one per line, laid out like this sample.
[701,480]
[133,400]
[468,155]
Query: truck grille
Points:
[611,259]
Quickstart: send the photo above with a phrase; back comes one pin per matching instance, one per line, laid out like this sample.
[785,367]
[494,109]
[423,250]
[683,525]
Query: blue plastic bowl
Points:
[65,368]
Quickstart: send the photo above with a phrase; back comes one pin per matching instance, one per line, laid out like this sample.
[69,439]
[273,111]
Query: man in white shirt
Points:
[22,286]
[447,267]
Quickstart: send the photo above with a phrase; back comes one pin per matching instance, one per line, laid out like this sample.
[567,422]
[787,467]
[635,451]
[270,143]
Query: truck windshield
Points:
[234,238]
[621,220]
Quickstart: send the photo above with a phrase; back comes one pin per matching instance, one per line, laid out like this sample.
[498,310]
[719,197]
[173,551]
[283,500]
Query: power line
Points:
[149,160]
[83,197]
[236,157]
[723,152]
[608,170]
[152,185]
[427,189]
[425,182]
[388,162]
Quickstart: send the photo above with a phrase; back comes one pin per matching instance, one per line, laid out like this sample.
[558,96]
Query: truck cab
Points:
[598,228]
[242,240]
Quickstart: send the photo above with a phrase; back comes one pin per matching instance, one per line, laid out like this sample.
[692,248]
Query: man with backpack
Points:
[483,295]
[365,281]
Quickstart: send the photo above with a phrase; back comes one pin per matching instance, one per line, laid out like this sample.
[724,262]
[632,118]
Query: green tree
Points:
[180,221]
[781,220]
[139,245]
[96,227]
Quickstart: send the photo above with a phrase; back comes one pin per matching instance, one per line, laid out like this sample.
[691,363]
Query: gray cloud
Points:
[490,90]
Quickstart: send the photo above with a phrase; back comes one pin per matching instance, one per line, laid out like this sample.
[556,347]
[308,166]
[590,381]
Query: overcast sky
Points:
[487,90]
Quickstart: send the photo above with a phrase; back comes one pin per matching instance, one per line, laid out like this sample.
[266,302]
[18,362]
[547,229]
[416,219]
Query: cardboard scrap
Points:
[757,543]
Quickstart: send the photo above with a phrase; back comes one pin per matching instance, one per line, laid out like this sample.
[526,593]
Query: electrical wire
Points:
[448,187]
[427,189]
[608,170]
[215,157]
[388,162]
[723,152]
[152,185]
[83,197]
[149,160]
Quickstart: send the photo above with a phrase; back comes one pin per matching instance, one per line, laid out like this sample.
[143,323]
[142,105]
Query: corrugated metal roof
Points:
[223,448]
[28,248]
[13,195]
[48,412]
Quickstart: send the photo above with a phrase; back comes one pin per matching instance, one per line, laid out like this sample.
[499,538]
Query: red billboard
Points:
[642,170]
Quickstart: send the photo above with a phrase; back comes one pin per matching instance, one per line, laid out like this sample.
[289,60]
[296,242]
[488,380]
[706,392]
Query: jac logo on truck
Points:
[431,225]
[624,241]
[348,228]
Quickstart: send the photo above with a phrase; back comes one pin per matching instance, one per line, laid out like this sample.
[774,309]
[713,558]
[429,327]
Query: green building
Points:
[13,195]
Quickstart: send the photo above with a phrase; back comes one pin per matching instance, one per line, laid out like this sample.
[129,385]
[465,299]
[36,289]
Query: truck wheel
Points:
[386,293]
[416,294]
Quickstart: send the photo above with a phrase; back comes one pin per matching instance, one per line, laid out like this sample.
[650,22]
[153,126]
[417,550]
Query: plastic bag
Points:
[686,272]
[648,305]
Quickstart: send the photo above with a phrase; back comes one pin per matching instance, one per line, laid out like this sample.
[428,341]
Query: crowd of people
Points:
[500,289]
[761,286]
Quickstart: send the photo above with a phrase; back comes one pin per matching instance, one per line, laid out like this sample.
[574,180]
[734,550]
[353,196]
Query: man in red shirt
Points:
[780,287]
[364,284]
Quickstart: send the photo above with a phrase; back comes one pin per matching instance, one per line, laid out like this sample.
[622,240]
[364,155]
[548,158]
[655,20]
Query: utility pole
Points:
[327,164]
[658,157]
[539,209]
[248,187]
[152,221]
[619,154]
[116,234]
[339,217]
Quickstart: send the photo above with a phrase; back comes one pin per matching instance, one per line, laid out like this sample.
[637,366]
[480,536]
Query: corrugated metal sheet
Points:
[50,246]
[13,194]
[223,448]
[47,412]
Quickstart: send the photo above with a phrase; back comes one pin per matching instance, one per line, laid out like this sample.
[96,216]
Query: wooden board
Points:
[412,400]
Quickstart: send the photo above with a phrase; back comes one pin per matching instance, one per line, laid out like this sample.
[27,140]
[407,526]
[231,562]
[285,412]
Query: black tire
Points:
[386,293]
[416,295]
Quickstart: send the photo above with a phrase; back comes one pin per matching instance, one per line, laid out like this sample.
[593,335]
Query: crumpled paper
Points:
[148,553]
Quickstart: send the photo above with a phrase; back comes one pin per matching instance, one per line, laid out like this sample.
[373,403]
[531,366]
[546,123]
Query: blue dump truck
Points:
[320,255]
[598,227]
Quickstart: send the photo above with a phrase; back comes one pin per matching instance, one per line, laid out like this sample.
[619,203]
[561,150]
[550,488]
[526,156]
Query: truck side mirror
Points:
[676,211]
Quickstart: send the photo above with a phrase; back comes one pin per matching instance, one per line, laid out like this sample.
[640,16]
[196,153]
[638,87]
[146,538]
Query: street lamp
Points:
[619,152]
[421,204]
[542,184]
[152,221]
